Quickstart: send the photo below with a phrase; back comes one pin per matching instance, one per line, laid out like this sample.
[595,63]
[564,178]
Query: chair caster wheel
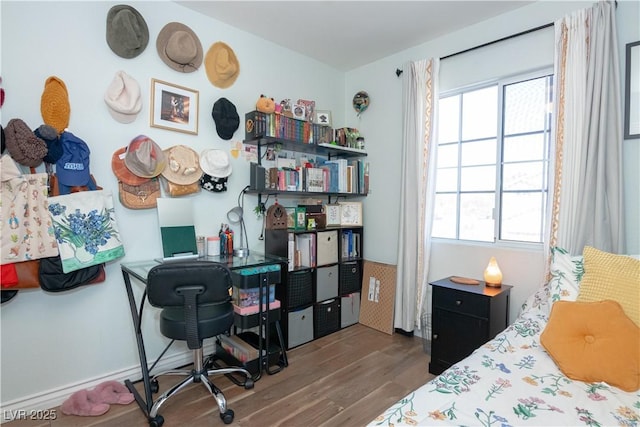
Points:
[154,386]
[248,384]
[227,417]
[157,421]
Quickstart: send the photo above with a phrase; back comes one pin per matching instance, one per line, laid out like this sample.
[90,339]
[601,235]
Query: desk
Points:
[255,269]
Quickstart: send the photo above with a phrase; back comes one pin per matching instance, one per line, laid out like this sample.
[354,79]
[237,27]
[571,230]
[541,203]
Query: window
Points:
[493,153]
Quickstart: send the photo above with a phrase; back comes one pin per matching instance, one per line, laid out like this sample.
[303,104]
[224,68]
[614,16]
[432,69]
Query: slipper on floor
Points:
[79,404]
[111,392]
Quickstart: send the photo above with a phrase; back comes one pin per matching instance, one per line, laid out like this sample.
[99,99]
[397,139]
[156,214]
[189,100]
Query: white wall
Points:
[381,125]
[54,341]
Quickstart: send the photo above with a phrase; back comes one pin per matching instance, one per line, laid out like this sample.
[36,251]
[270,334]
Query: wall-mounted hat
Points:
[54,104]
[3,140]
[72,168]
[143,196]
[144,157]
[122,172]
[183,165]
[54,147]
[221,65]
[23,145]
[127,31]
[226,118]
[179,47]
[216,168]
[123,98]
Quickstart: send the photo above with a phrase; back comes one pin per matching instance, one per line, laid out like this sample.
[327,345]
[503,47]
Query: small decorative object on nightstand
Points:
[463,318]
[492,274]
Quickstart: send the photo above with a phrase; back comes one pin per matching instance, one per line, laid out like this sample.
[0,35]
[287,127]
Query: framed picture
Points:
[322,117]
[351,213]
[301,218]
[332,212]
[299,112]
[291,217]
[309,107]
[174,107]
[632,92]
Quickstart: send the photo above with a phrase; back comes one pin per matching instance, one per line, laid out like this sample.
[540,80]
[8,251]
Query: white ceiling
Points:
[349,34]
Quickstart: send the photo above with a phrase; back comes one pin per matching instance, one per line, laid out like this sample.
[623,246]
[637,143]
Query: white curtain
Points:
[587,206]
[419,144]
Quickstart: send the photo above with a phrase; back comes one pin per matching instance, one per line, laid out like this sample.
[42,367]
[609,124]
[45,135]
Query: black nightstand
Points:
[463,318]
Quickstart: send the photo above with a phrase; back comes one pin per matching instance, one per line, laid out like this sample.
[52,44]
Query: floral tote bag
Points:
[27,232]
[85,227]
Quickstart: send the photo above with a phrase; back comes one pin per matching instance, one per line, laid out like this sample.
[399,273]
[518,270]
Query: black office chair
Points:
[195,297]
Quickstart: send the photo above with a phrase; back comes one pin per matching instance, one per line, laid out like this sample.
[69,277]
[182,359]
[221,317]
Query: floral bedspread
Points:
[512,381]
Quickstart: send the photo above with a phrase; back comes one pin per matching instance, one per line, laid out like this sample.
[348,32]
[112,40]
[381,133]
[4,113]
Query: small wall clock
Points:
[351,213]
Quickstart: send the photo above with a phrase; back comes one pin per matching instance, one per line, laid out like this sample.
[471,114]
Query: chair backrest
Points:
[166,283]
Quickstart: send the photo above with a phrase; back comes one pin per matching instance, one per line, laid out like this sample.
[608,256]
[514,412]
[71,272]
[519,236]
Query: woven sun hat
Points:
[179,47]
[183,165]
[122,172]
[127,31]
[123,97]
[54,104]
[144,157]
[226,118]
[221,65]
[23,145]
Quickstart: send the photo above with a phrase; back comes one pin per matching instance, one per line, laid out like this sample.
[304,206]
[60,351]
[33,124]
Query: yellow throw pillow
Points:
[614,277]
[593,342]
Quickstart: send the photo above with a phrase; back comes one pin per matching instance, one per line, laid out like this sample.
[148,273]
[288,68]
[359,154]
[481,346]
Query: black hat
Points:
[54,146]
[226,118]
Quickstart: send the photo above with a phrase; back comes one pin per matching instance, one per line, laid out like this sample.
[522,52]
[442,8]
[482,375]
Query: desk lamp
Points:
[236,216]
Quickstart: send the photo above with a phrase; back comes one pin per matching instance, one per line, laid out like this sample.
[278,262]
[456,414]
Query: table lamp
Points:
[492,274]
[236,216]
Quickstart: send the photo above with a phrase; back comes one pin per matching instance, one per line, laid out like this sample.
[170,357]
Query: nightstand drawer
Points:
[461,302]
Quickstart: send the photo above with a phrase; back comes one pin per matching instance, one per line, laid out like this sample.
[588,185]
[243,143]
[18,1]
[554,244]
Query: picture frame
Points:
[291,217]
[632,91]
[299,112]
[322,118]
[351,213]
[174,107]
[332,213]
[301,218]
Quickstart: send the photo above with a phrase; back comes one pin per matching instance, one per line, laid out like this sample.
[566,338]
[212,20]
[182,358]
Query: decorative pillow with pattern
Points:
[566,273]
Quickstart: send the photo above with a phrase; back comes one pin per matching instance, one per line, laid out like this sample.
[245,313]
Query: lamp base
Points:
[241,252]
[493,285]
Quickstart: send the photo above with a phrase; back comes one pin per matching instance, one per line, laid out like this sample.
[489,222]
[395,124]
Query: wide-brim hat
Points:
[221,65]
[23,145]
[54,104]
[122,172]
[179,47]
[213,184]
[143,196]
[123,98]
[144,157]
[127,31]
[183,165]
[225,117]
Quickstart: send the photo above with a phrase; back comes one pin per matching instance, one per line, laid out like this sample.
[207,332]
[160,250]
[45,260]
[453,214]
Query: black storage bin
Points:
[349,277]
[326,317]
[300,288]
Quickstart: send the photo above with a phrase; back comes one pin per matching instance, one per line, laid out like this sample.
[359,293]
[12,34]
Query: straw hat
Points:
[221,65]
[127,31]
[179,47]
[183,165]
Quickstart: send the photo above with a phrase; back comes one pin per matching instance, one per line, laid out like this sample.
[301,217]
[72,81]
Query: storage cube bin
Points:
[349,309]
[326,283]
[326,317]
[300,327]
[300,288]
[248,297]
[327,247]
[350,277]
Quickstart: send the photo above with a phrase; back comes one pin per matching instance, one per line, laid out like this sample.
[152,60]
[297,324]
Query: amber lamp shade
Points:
[492,274]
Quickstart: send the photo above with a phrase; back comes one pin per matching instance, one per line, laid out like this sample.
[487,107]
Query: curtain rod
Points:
[522,33]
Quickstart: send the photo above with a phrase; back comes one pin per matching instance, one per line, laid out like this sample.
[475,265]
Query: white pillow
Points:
[566,273]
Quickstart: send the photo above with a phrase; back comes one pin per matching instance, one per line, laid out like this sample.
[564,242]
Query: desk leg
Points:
[146,403]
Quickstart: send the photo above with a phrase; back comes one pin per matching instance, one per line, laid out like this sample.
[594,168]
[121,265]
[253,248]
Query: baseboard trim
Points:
[52,398]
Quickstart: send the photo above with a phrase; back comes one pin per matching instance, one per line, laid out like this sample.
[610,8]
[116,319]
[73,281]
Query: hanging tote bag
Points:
[85,228]
[27,232]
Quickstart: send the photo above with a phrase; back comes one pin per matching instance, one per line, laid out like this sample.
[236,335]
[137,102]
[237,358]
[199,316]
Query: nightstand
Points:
[463,318]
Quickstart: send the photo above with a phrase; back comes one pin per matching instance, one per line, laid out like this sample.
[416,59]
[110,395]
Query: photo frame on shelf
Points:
[323,118]
[299,112]
[351,213]
[174,107]
[301,218]
[632,91]
[309,107]
[332,213]
[291,217]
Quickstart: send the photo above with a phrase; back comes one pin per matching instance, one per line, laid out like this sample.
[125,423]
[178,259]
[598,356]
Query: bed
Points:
[514,380]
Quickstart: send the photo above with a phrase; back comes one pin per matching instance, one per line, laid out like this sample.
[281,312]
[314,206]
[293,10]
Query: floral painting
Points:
[85,229]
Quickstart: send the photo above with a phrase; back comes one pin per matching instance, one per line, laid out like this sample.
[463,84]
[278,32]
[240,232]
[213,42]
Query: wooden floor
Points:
[344,379]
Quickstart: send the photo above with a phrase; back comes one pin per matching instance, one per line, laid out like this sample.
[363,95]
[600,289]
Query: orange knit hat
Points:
[54,104]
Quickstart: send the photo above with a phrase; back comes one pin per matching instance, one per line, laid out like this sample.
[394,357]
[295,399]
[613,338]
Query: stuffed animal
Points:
[265,105]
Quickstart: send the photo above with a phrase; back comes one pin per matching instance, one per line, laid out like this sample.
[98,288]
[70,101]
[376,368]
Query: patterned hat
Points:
[144,157]
[23,145]
[54,104]
[183,165]
[122,172]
